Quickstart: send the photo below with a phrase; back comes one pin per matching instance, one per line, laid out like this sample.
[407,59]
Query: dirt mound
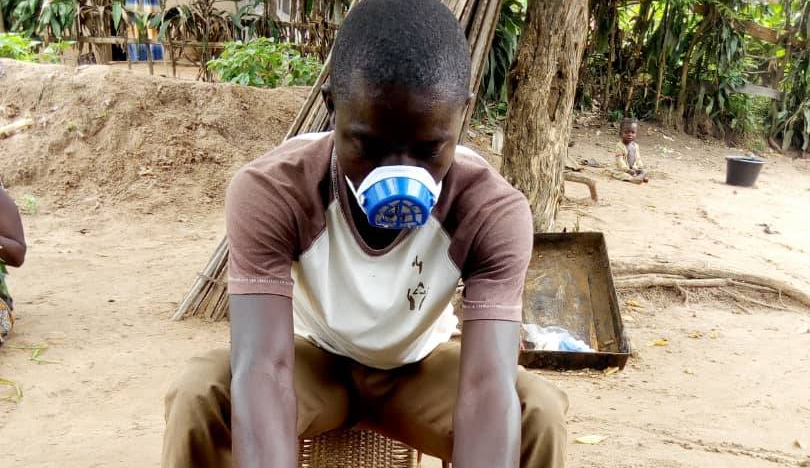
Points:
[109,136]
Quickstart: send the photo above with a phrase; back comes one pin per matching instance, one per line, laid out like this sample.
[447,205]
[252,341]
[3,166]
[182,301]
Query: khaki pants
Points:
[413,404]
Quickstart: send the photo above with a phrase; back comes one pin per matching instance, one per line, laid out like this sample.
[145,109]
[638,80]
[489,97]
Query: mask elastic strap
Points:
[359,197]
[335,180]
[438,192]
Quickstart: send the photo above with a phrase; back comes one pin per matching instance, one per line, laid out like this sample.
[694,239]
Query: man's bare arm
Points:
[263,402]
[12,239]
[487,417]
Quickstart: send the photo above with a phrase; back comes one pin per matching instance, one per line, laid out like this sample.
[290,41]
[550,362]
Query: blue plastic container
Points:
[137,52]
[157,52]
[398,203]
[132,51]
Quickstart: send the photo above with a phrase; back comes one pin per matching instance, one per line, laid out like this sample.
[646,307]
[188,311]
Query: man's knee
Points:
[543,405]
[203,386]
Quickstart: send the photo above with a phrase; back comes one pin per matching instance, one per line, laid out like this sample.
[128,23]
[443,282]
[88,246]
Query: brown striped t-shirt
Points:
[291,233]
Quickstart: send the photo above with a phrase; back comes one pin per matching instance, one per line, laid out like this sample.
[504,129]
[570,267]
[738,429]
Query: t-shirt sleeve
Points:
[493,282]
[262,236]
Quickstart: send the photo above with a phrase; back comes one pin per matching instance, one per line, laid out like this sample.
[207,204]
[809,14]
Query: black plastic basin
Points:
[742,171]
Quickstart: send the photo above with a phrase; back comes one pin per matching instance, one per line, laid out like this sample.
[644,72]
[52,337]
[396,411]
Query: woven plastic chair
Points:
[355,449]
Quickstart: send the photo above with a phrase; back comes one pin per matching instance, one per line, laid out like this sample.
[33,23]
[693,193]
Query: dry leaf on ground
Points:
[590,439]
[17,391]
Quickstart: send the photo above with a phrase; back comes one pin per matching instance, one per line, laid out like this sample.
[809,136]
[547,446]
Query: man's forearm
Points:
[487,425]
[487,428]
[263,420]
[264,407]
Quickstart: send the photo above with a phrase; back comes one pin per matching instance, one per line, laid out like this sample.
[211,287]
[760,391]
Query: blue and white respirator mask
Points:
[397,197]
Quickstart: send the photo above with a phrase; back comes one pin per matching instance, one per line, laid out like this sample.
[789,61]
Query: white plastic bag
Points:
[552,339]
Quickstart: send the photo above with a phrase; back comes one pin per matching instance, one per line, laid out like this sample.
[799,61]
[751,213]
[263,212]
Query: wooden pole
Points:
[484,43]
[77,26]
[149,58]
[126,52]
[202,280]
[171,57]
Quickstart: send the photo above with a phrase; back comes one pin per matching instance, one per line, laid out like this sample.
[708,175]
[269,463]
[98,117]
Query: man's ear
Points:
[329,102]
[328,97]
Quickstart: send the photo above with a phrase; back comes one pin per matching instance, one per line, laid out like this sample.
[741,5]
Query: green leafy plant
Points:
[29,205]
[247,22]
[502,53]
[616,115]
[56,18]
[39,19]
[24,16]
[17,47]
[791,118]
[265,63]
[22,48]
[197,21]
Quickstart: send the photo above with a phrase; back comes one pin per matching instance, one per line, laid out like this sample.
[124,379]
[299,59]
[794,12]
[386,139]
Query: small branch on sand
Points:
[739,297]
[8,130]
[581,179]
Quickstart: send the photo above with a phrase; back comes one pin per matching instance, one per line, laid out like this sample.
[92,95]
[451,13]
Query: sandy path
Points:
[100,300]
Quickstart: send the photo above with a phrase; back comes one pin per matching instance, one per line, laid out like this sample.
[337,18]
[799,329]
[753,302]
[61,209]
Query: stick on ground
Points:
[646,275]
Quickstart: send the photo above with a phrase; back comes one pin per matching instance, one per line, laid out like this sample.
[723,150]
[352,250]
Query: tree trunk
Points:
[662,59]
[611,56]
[542,85]
[2,21]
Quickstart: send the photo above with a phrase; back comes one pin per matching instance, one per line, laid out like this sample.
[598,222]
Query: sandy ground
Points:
[729,389]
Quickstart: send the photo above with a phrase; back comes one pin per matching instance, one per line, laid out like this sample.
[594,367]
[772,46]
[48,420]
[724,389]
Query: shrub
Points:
[265,63]
[17,47]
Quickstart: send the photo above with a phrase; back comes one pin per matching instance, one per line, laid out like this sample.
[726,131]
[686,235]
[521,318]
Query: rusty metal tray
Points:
[569,284]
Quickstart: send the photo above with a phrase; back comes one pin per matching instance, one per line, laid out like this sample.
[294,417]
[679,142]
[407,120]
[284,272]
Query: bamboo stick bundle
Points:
[208,297]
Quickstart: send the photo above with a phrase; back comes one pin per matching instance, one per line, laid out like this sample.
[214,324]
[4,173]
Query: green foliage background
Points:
[265,63]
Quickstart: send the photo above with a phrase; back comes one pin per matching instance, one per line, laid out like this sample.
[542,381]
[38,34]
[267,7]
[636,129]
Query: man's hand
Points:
[487,417]
[263,403]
